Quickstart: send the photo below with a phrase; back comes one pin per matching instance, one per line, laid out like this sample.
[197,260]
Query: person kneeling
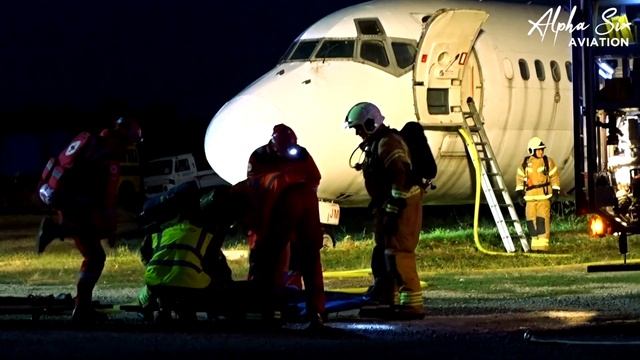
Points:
[185,266]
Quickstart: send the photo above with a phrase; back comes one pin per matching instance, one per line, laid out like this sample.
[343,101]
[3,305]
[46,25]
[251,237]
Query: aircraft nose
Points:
[239,127]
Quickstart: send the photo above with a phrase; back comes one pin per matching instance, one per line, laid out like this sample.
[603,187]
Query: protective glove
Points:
[395,205]
[392,209]
[520,196]
[556,193]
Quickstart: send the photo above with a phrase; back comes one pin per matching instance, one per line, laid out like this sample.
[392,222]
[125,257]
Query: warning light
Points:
[597,226]
[424,58]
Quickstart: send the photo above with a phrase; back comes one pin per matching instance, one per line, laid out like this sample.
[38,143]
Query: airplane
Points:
[392,53]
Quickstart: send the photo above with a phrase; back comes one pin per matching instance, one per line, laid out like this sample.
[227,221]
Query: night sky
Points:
[75,64]
[71,65]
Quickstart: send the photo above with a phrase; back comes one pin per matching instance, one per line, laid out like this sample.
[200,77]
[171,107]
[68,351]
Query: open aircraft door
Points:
[444,50]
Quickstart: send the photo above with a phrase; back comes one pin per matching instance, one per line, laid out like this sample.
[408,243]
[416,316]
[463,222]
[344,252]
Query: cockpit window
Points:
[373,51]
[369,27]
[304,50]
[371,47]
[405,54]
[336,49]
[288,52]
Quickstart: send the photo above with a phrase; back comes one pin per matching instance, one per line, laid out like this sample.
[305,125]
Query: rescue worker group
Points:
[276,206]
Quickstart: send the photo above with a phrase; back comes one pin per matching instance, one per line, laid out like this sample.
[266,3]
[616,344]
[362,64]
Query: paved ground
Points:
[455,333]
[435,337]
[603,324]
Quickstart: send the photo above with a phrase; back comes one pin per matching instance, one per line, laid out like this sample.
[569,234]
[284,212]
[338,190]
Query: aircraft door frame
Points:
[444,50]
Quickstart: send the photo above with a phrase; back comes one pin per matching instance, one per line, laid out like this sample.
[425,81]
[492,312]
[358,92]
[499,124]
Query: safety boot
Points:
[316,321]
[47,232]
[539,244]
[378,300]
[404,312]
[409,305]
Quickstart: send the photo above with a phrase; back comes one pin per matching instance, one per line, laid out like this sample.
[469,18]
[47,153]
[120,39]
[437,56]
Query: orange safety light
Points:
[424,58]
[597,226]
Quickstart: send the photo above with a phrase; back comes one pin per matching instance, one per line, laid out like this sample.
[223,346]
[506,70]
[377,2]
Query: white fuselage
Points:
[314,95]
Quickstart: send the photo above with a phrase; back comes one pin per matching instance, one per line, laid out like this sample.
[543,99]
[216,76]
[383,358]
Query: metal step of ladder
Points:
[493,185]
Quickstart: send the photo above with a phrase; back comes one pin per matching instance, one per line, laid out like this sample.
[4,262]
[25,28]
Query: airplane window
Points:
[438,101]
[288,52]
[555,70]
[373,51]
[335,49]
[569,69]
[304,50]
[405,54]
[539,70]
[524,69]
[369,27]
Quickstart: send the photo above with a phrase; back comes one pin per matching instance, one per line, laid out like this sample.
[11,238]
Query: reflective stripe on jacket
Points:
[536,180]
[177,257]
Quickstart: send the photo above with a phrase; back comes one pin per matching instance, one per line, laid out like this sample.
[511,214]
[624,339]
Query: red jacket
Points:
[268,174]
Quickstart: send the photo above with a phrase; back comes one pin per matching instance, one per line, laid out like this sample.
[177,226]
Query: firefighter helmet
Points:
[284,140]
[535,143]
[129,128]
[366,115]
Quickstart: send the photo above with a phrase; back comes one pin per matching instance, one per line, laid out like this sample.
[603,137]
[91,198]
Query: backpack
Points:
[423,164]
[58,170]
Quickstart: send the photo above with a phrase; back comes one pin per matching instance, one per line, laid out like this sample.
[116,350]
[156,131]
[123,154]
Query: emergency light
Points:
[597,226]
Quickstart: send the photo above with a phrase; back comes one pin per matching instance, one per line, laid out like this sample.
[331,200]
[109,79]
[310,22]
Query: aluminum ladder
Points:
[493,185]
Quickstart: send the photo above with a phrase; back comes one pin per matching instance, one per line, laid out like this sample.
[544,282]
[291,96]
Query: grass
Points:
[447,259]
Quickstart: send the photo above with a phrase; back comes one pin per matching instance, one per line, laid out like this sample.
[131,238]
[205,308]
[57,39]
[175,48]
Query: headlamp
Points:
[293,151]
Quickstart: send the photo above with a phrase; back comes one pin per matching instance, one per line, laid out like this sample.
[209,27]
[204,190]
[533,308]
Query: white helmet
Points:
[535,143]
[365,114]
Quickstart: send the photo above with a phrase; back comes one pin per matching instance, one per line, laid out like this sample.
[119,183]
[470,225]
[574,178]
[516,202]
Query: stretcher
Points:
[293,311]
[37,306]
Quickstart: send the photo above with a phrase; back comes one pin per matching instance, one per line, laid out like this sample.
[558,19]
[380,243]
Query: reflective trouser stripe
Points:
[410,298]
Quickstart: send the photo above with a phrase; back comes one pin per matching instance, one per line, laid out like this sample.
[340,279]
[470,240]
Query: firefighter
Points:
[396,202]
[283,179]
[86,206]
[537,181]
[183,255]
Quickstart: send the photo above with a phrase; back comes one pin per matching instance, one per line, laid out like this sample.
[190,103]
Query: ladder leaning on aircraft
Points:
[493,185]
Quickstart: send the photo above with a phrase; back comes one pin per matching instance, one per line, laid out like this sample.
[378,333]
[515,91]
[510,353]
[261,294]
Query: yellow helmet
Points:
[535,143]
